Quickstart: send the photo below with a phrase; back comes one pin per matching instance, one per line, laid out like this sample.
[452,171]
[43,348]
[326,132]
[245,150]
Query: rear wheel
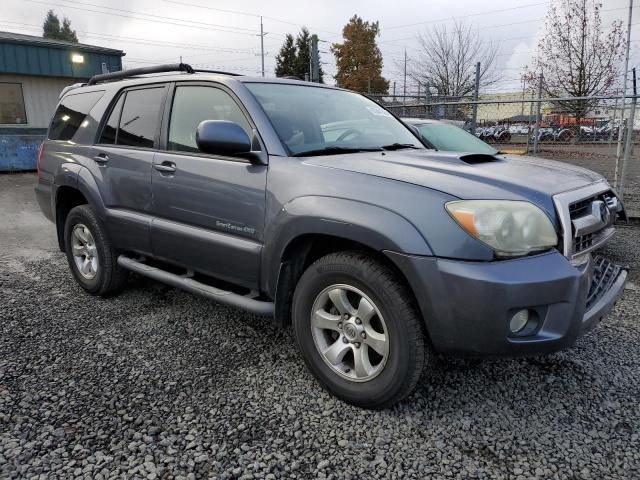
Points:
[91,257]
[358,330]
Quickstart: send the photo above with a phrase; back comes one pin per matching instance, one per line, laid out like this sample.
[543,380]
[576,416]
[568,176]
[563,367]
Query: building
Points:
[33,72]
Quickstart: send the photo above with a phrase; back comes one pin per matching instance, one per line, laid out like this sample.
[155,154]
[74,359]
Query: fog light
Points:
[519,320]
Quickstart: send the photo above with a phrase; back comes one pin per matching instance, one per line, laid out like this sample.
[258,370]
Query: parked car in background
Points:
[315,206]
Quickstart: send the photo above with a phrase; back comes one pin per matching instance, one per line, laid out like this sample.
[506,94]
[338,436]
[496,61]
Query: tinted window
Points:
[70,115]
[139,119]
[111,128]
[192,105]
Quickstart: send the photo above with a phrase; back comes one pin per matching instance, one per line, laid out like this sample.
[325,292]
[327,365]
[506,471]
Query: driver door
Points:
[208,209]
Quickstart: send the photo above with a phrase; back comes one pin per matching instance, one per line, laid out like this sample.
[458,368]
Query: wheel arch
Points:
[75,186]
[305,249]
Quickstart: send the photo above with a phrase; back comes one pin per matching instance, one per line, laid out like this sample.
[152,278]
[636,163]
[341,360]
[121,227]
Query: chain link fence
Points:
[591,132]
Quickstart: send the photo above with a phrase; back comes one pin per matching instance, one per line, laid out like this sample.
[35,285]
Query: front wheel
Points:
[358,330]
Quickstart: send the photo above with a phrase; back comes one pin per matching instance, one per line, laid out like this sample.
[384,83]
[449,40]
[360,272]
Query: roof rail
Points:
[220,72]
[173,67]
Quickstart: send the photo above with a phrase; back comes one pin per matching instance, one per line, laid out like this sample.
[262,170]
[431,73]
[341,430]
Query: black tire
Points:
[407,351]
[109,276]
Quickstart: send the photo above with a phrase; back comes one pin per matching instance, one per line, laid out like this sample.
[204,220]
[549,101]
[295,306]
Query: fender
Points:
[65,176]
[371,225]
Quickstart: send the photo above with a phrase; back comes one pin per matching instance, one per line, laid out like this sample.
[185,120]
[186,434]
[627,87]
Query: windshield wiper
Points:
[398,146]
[335,151]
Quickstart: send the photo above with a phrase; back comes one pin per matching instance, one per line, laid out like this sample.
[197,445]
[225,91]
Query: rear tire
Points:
[373,362]
[91,256]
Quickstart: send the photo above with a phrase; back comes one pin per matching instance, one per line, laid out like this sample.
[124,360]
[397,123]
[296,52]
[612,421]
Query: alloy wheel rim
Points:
[85,252]
[349,333]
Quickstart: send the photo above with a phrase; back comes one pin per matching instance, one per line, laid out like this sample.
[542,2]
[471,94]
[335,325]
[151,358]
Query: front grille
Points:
[603,277]
[586,216]
[583,242]
[582,208]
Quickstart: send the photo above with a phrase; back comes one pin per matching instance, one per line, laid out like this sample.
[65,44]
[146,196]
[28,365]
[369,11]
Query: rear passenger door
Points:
[124,157]
[209,209]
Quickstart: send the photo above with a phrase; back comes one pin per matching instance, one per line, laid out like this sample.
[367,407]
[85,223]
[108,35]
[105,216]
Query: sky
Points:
[225,34]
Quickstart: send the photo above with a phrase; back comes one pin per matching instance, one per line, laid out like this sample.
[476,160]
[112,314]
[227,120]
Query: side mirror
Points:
[222,137]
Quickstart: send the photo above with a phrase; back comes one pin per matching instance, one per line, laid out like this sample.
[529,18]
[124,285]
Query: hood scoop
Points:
[475,158]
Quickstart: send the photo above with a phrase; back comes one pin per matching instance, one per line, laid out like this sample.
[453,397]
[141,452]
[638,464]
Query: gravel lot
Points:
[157,383]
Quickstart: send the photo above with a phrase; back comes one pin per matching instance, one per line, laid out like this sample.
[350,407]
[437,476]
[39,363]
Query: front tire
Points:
[92,258]
[358,330]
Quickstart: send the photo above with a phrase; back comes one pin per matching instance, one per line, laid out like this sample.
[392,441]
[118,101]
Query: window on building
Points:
[12,111]
[194,104]
[140,117]
[70,115]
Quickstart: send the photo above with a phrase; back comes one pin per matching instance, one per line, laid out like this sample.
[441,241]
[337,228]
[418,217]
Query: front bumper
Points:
[467,306]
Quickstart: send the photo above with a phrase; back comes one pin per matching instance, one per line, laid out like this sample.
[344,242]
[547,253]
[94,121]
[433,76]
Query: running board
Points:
[256,307]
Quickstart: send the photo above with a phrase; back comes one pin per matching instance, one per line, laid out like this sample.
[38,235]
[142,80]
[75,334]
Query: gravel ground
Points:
[156,383]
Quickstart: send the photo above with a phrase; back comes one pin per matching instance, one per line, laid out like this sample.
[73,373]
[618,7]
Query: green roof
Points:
[30,55]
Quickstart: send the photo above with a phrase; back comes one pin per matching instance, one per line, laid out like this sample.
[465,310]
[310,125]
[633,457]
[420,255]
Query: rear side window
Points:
[140,116]
[71,113]
[134,119]
[109,134]
[194,104]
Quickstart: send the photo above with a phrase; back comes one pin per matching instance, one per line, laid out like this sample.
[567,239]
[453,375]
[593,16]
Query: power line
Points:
[486,12]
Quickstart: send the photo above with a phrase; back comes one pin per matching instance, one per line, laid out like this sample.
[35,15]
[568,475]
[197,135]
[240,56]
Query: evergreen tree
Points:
[295,56]
[286,58]
[358,57]
[52,28]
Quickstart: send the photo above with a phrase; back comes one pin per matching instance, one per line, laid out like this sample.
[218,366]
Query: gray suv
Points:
[317,207]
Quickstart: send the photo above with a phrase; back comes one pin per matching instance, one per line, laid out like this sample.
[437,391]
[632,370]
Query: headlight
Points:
[511,228]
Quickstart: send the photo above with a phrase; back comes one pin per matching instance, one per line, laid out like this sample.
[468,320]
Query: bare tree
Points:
[576,57]
[448,57]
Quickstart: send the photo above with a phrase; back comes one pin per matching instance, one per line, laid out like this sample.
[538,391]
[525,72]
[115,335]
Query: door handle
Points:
[101,158]
[165,167]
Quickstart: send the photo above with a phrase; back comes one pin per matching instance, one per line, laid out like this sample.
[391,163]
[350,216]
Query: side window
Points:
[140,116]
[194,104]
[110,130]
[70,115]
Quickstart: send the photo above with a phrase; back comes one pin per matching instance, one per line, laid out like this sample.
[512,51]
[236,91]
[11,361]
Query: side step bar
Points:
[256,307]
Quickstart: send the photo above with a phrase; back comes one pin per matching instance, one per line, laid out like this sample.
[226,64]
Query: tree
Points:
[51,28]
[358,58]
[576,57]
[286,58]
[448,57]
[294,58]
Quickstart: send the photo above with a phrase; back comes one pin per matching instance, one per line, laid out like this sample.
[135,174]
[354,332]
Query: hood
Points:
[469,176]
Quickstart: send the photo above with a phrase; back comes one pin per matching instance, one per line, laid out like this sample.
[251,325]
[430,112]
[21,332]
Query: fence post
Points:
[476,92]
[629,143]
[404,85]
[538,119]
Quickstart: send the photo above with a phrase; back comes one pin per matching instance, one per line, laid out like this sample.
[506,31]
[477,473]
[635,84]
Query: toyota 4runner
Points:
[316,206]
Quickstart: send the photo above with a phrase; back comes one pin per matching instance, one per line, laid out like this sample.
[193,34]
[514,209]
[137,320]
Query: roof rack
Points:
[173,67]
[220,72]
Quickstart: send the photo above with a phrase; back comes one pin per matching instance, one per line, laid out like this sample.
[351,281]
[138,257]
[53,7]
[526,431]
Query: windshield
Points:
[325,121]
[453,139]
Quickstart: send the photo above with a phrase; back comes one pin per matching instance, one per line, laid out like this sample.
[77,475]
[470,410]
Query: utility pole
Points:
[262,45]
[315,60]
[624,96]
[629,143]
[476,94]
[369,85]
[404,86]
[394,92]
[538,118]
